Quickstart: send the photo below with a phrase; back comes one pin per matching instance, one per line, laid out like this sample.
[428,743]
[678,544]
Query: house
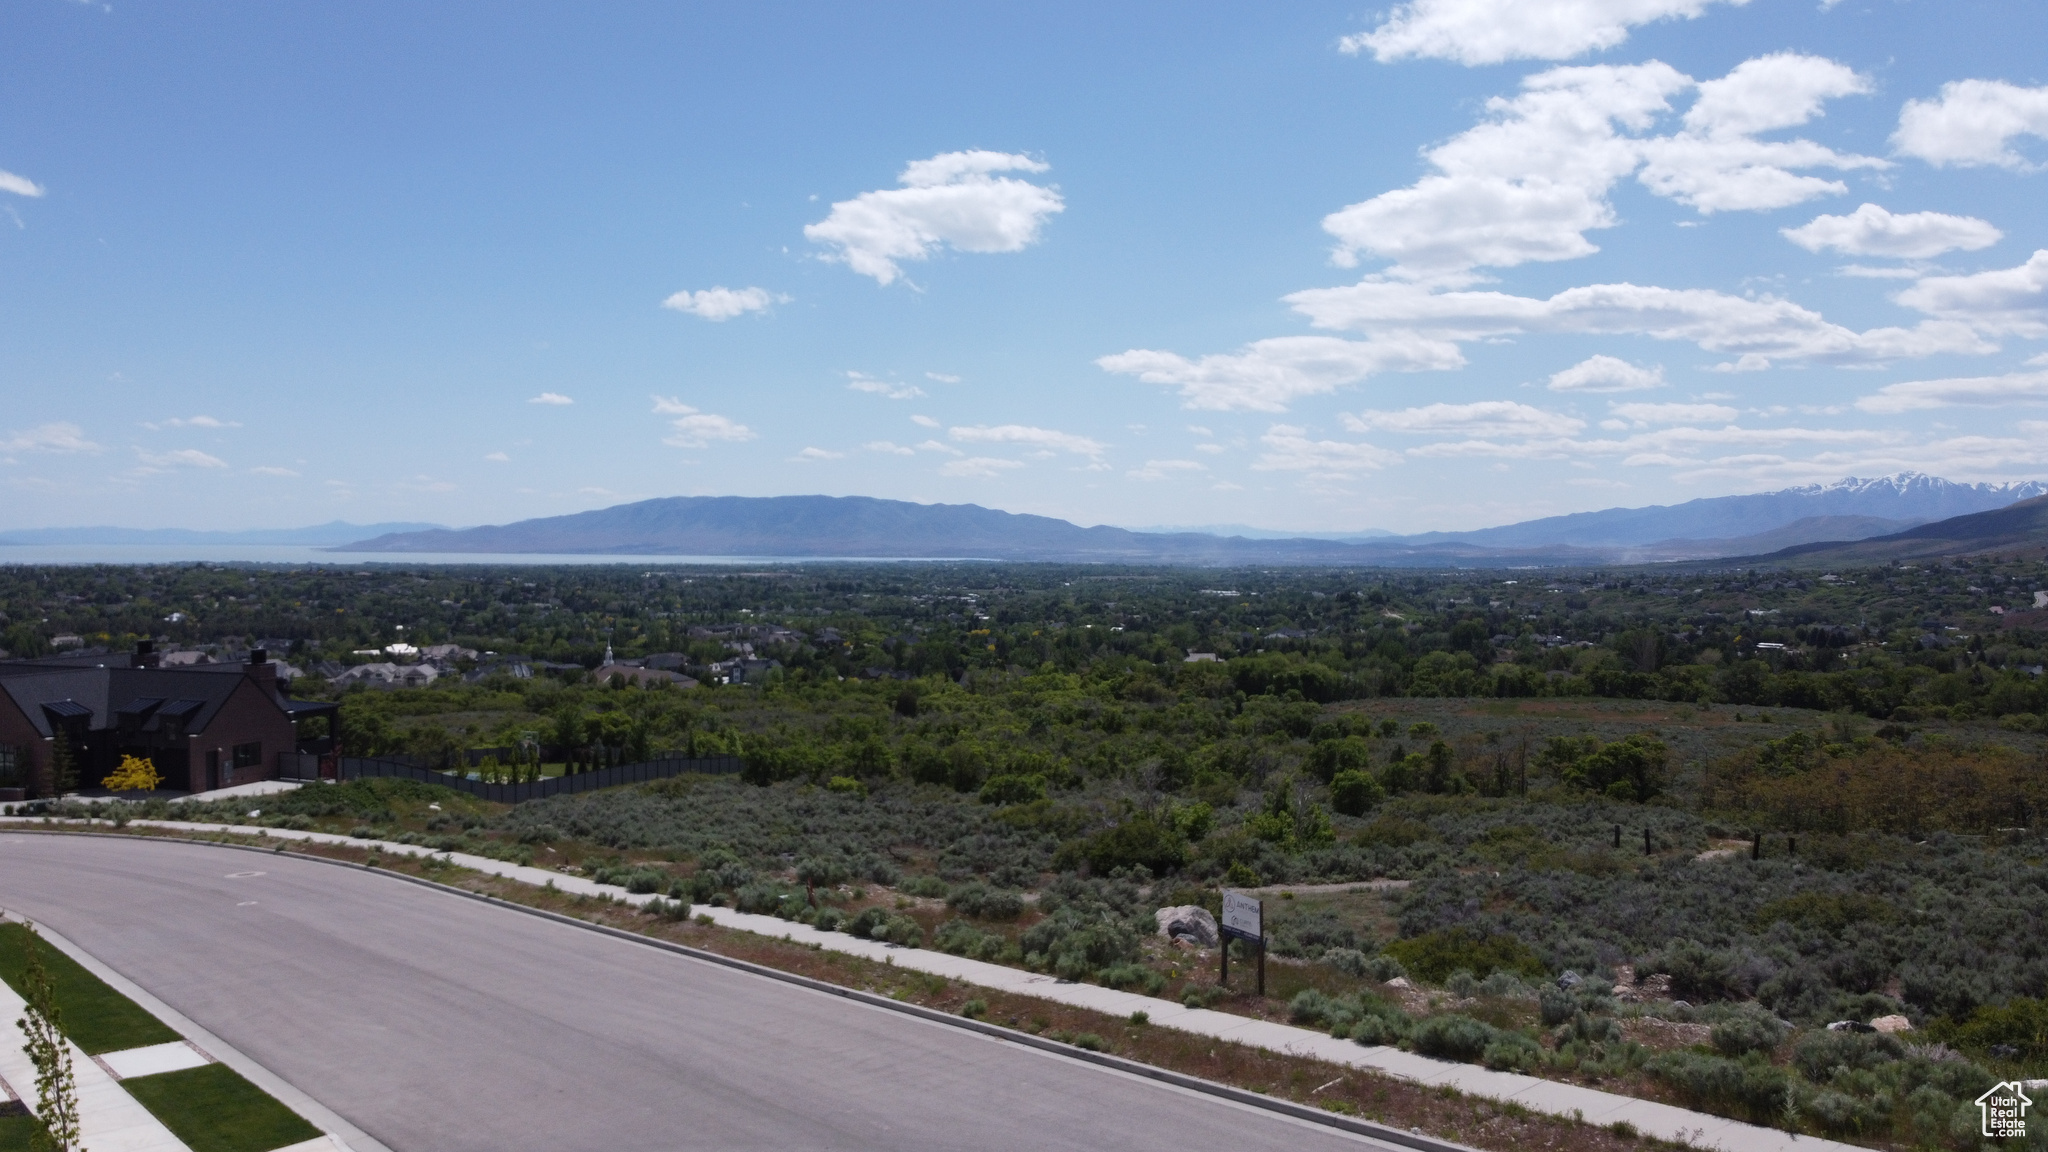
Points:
[644,677]
[204,726]
[389,675]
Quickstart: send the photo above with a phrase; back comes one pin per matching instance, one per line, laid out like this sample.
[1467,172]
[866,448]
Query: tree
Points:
[63,765]
[43,1026]
[136,774]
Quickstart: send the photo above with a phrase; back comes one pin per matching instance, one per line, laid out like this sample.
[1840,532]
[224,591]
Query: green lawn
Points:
[212,1109]
[16,1131]
[97,1018]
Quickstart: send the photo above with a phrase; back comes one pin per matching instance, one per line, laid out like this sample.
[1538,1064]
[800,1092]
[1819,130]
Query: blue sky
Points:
[1442,264]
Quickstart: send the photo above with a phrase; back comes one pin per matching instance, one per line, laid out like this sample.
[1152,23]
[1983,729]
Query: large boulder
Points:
[1188,921]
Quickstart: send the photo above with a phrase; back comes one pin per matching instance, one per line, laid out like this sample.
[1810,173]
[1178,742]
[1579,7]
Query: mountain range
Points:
[317,535]
[857,526]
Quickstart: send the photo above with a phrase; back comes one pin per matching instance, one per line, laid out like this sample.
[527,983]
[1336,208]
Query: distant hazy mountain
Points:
[332,532]
[1251,533]
[1909,497]
[2020,528]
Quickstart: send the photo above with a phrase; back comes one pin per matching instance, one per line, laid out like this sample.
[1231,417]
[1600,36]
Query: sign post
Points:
[1244,919]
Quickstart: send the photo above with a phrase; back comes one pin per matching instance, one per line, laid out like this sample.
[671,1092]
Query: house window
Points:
[10,766]
[248,755]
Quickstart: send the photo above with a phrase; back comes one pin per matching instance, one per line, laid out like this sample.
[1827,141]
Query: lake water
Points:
[299,554]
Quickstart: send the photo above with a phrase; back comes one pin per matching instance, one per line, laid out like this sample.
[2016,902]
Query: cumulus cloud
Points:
[19,185]
[1640,414]
[193,422]
[551,398]
[1677,446]
[1974,391]
[272,470]
[889,448]
[1268,375]
[1047,439]
[695,429]
[943,377]
[2003,301]
[61,437]
[1606,374]
[1872,231]
[861,382]
[1161,469]
[1972,123]
[978,467]
[722,303]
[923,421]
[1757,330]
[1529,182]
[811,454]
[1475,32]
[1289,449]
[498,457]
[939,446]
[1485,418]
[953,199]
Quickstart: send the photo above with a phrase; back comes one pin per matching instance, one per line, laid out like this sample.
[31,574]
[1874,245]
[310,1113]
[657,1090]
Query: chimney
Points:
[260,666]
[145,654]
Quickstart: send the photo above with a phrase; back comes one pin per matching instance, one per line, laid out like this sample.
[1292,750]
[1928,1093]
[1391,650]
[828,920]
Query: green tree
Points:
[63,765]
[43,1026]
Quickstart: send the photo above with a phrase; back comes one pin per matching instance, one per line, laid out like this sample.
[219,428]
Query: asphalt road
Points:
[439,1024]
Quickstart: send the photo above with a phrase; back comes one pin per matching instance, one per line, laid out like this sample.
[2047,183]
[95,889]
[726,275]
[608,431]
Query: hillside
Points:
[2020,528]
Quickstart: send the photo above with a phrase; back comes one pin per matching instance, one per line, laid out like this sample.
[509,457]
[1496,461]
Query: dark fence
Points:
[355,768]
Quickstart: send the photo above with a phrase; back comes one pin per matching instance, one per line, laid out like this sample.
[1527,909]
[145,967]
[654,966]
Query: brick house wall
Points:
[16,731]
[249,715]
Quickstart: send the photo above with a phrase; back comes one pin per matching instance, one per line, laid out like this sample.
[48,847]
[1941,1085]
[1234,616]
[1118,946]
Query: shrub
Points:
[1435,955]
[1461,984]
[1349,961]
[1453,1036]
[1698,972]
[927,886]
[1138,839]
[1310,934]
[1819,1054]
[847,785]
[974,1009]
[2021,1026]
[964,939]
[829,920]
[1013,789]
[1356,793]
[983,902]
[1090,1042]
[1747,1032]
[1749,1087]
[1074,944]
[1384,968]
[1133,976]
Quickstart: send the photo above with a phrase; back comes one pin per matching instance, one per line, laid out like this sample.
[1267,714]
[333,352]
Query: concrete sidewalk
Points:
[1539,1095]
[109,1119]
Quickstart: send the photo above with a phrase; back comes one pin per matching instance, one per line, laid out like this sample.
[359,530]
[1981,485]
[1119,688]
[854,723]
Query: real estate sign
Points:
[1243,917]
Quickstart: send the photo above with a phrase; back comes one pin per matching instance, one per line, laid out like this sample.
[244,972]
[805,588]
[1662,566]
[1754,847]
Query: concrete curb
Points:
[1241,1096]
[347,1135]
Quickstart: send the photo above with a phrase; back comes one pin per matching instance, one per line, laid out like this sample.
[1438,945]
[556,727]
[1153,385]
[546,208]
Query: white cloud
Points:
[924,421]
[695,429]
[943,377]
[1972,122]
[1529,182]
[951,199]
[1757,329]
[1289,449]
[810,454]
[58,437]
[980,467]
[1269,374]
[1606,374]
[551,398]
[2003,301]
[1640,414]
[1161,469]
[1670,446]
[19,185]
[498,457]
[889,448]
[1485,418]
[193,422]
[939,446]
[1872,231]
[1478,32]
[179,458]
[1045,438]
[1889,272]
[1976,391]
[722,303]
[272,470]
[1213,449]
[861,382]
[1717,165]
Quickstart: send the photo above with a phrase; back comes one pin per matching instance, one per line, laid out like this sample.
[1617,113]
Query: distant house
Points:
[447,652]
[184,659]
[204,726]
[745,671]
[1195,657]
[644,677]
[388,675]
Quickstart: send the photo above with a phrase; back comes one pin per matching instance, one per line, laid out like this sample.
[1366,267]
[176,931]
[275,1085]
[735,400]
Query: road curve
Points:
[441,1024]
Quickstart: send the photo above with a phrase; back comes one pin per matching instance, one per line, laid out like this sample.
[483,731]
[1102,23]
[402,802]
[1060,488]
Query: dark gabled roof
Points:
[191,694]
[141,707]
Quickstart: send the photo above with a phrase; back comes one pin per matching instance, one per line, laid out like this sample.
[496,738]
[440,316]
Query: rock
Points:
[1892,1024]
[1570,980]
[1189,921]
[1399,982]
[1850,1026]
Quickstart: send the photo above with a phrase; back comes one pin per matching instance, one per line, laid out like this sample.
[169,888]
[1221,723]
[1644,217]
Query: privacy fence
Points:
[356,768]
